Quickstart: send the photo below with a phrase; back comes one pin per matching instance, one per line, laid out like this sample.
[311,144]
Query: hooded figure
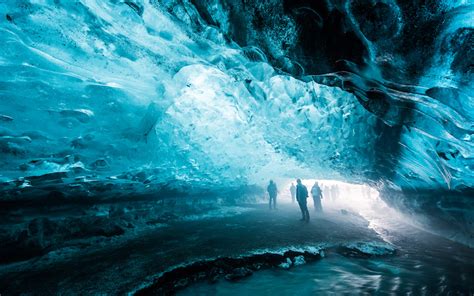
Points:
[317,195]
[301,196]
[293,192]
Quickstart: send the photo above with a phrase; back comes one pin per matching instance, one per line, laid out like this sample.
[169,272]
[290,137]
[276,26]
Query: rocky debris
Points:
[231,269]
[236,268]
[299,260]
[287,264]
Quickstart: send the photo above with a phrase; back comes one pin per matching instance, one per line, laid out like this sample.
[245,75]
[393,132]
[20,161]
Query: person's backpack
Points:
[315,191]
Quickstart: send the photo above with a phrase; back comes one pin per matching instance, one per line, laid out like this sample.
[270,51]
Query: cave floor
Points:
[126,262]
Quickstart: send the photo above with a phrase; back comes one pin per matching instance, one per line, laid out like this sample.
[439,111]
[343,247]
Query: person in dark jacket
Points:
[301,196]
[272,192]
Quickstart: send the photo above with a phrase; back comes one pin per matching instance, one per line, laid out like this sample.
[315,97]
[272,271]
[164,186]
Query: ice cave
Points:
[237,147]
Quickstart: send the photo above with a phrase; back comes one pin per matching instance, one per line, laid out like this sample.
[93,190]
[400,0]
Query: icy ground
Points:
[424,264]
[135,260]
[127,263]
[110,100]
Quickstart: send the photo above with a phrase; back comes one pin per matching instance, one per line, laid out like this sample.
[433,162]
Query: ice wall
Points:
[138,95]
[101,90]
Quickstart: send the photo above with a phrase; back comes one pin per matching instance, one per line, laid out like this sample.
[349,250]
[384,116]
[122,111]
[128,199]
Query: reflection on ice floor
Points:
[336,275]
[425,264]
[133,260]
[127,262]
[433,267]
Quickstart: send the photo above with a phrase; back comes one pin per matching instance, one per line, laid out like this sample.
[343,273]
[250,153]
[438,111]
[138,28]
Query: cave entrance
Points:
[339,195]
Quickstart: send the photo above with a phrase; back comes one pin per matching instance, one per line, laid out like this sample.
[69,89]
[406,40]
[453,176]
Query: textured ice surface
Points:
[95,89]
[142,96]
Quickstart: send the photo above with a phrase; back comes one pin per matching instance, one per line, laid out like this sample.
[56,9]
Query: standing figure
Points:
[301,196]
[293,192]
[272,192]
[327,192]
[317,196]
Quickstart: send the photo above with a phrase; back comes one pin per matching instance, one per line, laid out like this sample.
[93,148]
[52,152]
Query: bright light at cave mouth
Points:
[339,195]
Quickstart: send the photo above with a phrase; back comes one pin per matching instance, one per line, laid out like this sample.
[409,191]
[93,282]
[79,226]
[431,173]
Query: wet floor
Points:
[425,264]
[125,263]
[337,275]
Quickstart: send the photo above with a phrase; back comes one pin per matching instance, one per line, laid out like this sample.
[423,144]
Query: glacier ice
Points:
[101,98]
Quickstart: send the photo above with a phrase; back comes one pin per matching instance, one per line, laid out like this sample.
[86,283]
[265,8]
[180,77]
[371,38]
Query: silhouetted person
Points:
[327,192]
[293,192]
[272,192]
[317,195]
[301,196]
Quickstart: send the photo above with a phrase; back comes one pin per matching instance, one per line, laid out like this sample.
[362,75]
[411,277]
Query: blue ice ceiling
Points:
[227,93]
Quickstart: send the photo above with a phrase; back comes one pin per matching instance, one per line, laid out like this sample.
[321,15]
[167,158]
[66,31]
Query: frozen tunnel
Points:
[138,139]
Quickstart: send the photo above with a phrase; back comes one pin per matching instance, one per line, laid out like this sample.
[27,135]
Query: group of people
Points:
[300,194]
[331,192]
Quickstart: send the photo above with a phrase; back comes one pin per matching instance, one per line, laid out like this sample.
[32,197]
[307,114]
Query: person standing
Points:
[327,192]
[317,195]
[293,192]
[301,196]
[272,192]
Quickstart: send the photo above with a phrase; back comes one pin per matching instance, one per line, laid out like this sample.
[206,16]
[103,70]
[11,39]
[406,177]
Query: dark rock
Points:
[110,231]
[56,195]
[232,269]
[238,273]
[20,248]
